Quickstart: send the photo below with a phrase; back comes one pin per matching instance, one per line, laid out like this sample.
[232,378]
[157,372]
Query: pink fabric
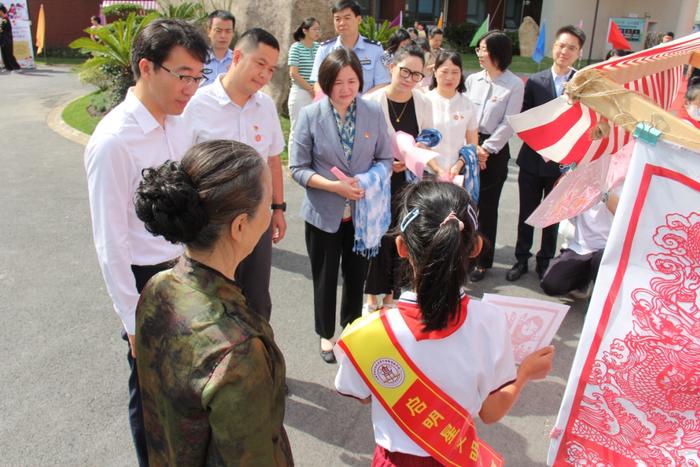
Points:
[384,458]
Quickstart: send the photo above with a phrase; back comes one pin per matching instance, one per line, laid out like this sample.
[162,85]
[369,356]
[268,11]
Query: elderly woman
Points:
[405,109]
[212,378]
[343,132]
[496,93]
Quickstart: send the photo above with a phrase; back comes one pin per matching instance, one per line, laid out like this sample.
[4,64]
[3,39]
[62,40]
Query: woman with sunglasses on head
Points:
[405,109]
[453,113]
[496,92]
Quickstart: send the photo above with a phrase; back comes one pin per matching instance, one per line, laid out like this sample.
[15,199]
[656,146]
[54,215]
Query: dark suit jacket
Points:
[539,90]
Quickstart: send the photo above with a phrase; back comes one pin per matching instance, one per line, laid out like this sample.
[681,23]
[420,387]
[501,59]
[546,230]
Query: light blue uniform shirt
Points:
[217,67]
[370,55]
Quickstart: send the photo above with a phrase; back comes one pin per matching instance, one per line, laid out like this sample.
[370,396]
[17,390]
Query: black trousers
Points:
[8,57]
[327,252]
[384,271]
[253,275]
[532,190]
[570,271]
[138,431]
[491,180]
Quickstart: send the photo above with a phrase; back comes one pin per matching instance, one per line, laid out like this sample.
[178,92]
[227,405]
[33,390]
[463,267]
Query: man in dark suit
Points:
[537,177]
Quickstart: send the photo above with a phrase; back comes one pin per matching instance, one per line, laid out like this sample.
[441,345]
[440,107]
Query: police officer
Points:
[346,19]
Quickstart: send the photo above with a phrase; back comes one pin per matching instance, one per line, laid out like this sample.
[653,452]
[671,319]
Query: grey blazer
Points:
[316,148]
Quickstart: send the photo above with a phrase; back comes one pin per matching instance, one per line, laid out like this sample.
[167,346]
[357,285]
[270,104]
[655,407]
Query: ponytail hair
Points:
[439,239]
[299,34]
[193,201]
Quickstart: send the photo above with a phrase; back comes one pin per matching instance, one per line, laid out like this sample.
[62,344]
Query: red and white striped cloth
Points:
[560,131]
[145,4]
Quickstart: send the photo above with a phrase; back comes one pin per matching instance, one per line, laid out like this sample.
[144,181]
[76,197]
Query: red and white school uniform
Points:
[468,360]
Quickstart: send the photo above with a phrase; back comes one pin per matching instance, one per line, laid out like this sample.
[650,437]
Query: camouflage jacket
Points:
[211,376]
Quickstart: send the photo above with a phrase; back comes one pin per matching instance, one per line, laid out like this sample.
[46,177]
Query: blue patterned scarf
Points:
[372,214]
[471,171]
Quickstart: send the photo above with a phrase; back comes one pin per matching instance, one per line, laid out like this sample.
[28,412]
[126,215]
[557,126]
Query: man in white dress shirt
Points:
[234,108]
[168,64]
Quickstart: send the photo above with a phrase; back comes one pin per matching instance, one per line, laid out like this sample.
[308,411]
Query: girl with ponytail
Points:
[458,346]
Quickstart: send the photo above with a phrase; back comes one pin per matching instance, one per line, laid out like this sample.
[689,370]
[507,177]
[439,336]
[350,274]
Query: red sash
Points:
[426,414]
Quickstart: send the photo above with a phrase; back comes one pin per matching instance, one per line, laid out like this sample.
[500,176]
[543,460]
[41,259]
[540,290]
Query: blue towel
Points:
[471,171]
[372,214]
[430,137]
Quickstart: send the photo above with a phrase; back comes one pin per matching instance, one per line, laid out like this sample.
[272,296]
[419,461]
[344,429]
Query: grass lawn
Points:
[76,113]
[77,116]
[518,65]
[284,121]
[41,60]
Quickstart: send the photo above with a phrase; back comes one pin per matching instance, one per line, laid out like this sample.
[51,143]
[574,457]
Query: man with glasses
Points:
[537,177]
[347,17]
[234,108]
[167,59]
[222,25]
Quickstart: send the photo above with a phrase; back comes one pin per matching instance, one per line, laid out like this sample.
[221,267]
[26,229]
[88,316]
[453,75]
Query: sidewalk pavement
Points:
[64,393]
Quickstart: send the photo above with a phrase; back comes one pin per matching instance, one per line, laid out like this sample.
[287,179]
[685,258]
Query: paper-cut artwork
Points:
[633,395]
[532,323]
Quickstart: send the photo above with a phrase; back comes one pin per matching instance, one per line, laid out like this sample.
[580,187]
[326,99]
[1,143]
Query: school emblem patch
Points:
[388,373]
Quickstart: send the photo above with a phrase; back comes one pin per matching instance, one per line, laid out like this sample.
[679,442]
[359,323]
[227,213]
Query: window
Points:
[513,14]
[476,11]
[425,11]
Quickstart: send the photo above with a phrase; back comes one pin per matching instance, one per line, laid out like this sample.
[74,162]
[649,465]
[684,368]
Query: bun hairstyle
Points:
[438,246]
[192,201]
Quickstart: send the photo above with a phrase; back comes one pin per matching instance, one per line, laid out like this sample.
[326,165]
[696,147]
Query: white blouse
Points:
[452,117]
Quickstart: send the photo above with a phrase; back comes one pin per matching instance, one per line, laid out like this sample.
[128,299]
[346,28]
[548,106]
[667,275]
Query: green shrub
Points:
[380,33]
[460,35]
[120,11]
[195,12]
[111,54]
[513,34]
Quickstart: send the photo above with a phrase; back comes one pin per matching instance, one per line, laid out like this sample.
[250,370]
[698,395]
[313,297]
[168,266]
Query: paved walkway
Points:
[63,393]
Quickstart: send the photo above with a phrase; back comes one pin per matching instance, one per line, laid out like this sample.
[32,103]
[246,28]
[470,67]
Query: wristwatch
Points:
[281,206]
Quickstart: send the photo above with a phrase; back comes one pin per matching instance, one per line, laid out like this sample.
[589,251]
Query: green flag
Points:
[483,29]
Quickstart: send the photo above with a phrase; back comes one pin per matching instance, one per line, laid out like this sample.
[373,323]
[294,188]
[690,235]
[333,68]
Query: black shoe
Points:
[477,274]
[327,355]
[516,271]
[541,268]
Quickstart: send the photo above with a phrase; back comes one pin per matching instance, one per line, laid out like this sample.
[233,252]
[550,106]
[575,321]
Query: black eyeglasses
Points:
[416,76]
[188,79]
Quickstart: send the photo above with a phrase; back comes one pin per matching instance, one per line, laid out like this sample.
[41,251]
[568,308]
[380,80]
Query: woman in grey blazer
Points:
[348,133]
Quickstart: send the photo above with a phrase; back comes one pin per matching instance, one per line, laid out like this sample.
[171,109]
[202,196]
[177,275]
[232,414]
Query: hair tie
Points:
[453,216]
[473,217]
[408,218]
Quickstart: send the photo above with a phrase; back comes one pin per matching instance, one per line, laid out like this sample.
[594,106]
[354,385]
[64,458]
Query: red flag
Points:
[616,39]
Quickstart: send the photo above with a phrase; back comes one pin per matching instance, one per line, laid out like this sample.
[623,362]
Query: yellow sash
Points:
[428,415]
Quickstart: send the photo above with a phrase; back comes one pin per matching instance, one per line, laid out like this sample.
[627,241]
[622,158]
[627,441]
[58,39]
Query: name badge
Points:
[365,61]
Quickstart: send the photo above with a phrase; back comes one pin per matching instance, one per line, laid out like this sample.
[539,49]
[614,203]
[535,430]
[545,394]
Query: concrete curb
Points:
[56,123]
